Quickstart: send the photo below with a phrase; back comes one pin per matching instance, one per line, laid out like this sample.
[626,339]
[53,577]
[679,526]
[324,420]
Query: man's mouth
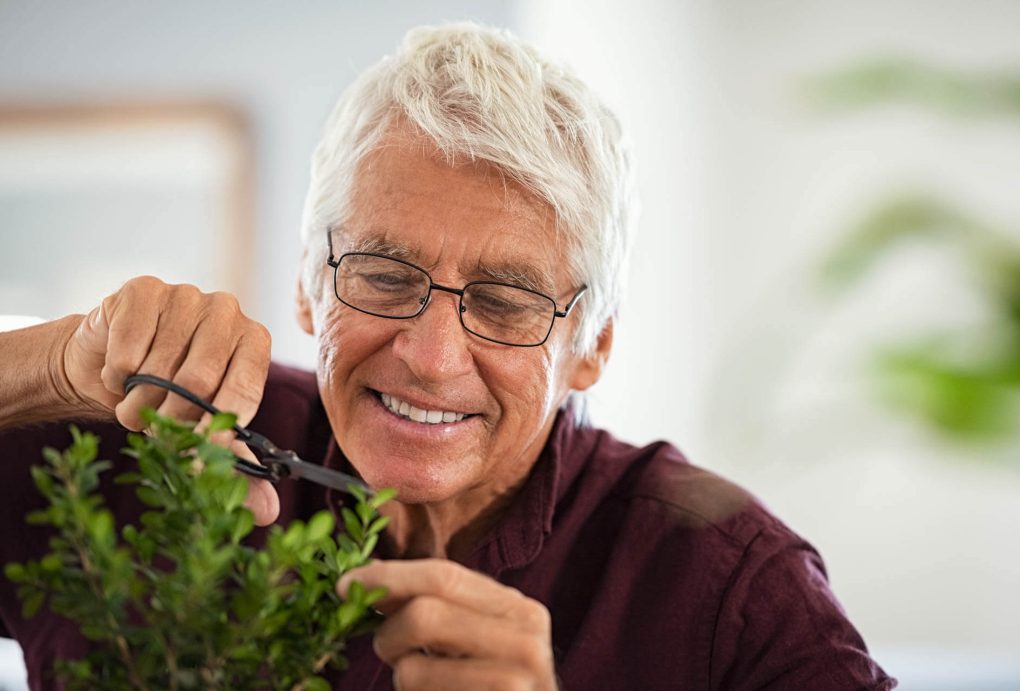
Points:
[409,412]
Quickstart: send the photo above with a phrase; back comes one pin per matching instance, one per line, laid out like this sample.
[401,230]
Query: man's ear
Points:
[589,370]
[302,306]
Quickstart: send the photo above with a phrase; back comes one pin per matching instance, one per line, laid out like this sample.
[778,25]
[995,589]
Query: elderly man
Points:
[465,234]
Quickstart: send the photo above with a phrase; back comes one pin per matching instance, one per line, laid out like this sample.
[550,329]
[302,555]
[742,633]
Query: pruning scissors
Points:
[277,463]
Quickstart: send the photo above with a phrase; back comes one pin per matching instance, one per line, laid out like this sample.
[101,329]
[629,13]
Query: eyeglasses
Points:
[394,289]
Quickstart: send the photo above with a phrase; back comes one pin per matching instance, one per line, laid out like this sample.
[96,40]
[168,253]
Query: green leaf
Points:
[378,525]
[101,528]
[356,491]
[51,562]
[352,524]
[315,684]
[128,479]
[238,493]
[320,525]
[15,572]
[149,496]
[43,480]
[221,422]
[243,525]
[382,496]
[40,517]
[368,547]
[31,604]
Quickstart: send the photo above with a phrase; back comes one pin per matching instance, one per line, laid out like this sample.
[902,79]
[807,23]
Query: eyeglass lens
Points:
[388,287]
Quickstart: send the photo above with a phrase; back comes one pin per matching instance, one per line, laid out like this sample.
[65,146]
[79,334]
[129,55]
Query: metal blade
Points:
[327,477]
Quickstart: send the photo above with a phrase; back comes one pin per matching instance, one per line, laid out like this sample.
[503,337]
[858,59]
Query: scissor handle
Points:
[265,472]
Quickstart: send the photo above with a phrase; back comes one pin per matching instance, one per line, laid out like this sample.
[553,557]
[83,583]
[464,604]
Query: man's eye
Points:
[389,281]
[493,306]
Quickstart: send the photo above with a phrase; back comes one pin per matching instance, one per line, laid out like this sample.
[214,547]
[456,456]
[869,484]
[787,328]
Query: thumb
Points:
[84,361]
[262,499]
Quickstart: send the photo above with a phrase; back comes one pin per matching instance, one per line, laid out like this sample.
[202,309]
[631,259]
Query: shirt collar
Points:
[517,538]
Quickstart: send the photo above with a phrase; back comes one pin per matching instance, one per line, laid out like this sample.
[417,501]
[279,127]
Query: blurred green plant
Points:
[178,602]
[899,80]
[964,383]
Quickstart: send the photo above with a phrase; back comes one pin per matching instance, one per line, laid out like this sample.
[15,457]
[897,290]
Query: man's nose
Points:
[434,345]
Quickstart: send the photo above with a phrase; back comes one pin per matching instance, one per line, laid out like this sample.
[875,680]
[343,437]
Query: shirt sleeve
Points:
[780,626]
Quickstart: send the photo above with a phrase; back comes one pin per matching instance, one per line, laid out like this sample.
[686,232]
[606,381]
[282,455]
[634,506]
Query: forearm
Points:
[33,387]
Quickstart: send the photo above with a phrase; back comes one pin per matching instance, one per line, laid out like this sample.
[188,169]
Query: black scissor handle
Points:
[264,472]
[276,463]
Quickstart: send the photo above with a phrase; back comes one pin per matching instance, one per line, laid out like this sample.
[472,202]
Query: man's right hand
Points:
[201,341]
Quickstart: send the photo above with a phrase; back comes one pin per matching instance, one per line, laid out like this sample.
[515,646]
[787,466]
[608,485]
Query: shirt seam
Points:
[734,540]
[730,582]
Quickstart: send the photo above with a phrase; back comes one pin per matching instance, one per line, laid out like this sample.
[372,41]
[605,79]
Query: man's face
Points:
[460,224]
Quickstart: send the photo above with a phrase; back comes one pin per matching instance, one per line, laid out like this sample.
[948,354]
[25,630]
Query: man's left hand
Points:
[449,628]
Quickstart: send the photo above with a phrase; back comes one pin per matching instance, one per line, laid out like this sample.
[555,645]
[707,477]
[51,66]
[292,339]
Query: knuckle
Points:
[143,284]
[247,389]
[223,301]
[445,577]
[535,615]
[263,338]
[186,294]
[535,653]
[518,682]
[118,362]
[420,616]
[408,672]
[200,378]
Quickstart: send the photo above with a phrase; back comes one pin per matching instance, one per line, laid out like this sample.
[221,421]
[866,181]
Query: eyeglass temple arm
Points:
[573,301]
[331,260]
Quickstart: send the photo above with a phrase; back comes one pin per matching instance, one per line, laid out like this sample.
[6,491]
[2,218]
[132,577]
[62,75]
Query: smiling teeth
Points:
[429,417]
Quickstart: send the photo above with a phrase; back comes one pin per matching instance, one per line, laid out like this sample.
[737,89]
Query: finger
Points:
[202,368]
[227,362]
[131,319]
[448,629]
[262,500]
[241,389]
[405,579]
[168,350]
[419,672]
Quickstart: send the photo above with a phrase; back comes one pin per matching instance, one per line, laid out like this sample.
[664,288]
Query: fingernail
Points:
[343,584]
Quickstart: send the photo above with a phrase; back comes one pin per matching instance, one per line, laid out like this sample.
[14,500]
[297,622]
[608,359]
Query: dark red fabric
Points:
[658,574]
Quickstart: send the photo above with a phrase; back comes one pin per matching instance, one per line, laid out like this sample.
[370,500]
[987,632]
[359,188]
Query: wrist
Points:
[34,387]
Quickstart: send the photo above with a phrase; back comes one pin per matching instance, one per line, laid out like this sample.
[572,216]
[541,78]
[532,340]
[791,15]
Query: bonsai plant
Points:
[179,601]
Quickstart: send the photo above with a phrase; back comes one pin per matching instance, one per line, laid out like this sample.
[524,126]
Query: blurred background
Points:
[825,296]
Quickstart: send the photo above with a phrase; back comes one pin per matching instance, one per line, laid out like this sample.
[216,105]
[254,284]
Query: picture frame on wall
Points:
[93,195]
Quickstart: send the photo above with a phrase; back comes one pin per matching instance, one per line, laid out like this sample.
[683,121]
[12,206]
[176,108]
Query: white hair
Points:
[485,95]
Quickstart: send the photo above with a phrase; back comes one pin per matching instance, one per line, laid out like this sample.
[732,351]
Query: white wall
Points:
[726,347]
[284,63]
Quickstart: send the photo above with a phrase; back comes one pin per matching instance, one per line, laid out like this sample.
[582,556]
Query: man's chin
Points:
[413,482]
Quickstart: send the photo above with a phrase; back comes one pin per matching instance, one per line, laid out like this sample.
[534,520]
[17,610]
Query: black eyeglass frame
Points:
[334,262]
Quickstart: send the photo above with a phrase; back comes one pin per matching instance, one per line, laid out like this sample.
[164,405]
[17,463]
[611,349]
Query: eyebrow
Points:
[508,270]
[378,245]
[518,274]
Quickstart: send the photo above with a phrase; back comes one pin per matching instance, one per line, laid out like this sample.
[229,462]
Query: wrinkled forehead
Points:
[411,202]
[501,259]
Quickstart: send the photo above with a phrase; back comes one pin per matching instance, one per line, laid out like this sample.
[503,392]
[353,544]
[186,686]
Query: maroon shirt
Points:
[658,574]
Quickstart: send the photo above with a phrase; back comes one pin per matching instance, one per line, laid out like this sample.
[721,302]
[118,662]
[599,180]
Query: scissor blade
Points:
[327,477]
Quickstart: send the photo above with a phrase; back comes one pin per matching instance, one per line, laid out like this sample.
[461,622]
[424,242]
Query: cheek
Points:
[328,329]
[531,386]
[341,343]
